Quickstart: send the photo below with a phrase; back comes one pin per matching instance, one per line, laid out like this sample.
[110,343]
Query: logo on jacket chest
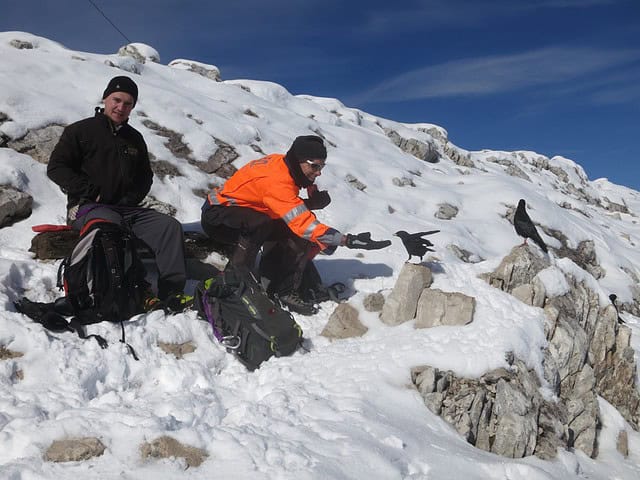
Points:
[131,151]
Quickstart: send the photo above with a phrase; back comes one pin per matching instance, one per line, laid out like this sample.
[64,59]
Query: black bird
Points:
[525,227]
[613,297]
[415,244]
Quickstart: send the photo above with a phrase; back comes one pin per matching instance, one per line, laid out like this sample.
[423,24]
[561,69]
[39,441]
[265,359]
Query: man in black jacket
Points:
[102,164]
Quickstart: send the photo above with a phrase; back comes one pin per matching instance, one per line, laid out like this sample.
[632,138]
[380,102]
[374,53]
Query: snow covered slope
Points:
[345,409]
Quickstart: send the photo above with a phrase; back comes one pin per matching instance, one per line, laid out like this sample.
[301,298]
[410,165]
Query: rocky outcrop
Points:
[588,355]
[221,161]
[344,323]
[14,205]
[446,211]
[140,52]
[208,71]
[402,303]
[436,307]
[502,412]
[178,350]
[74,449]
[37,143]
[354,182]
[426,151]
[168,447]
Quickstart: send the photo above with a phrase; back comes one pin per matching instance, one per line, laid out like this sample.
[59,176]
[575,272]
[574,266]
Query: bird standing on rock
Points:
[525,227]
[415,244]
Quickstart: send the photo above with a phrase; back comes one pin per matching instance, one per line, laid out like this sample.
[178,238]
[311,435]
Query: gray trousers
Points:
[162,234]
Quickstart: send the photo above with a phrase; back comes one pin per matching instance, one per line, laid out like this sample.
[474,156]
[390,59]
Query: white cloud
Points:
[499,73]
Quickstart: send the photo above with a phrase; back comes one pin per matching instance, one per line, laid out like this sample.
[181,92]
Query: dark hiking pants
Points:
[160,232]
[284,254]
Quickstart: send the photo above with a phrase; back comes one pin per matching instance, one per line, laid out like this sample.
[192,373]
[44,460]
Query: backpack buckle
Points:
[231,342]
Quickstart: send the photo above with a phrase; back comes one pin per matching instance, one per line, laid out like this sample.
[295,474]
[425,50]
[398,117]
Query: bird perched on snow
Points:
[415,244]
[525,227]
[613,297]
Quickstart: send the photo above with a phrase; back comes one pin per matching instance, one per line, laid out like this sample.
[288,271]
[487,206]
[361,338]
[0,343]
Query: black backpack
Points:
[245,320]
[103,277]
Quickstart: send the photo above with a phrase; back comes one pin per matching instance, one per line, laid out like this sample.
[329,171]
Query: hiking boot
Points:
[296,304]
[178,302]
[151,303]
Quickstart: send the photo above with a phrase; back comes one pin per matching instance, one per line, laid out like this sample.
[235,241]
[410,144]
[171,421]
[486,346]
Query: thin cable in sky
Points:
[109,20]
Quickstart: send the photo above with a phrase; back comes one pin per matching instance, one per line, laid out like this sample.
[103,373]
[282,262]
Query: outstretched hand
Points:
[363,241]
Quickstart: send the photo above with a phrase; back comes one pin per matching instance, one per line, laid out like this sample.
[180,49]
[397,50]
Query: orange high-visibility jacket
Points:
[265,185]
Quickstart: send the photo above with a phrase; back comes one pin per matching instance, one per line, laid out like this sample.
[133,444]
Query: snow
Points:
[345,409]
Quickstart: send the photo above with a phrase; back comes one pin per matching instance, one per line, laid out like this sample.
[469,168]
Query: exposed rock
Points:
[458,156]
[163,168]
[178,350]
[622,443]
[168,447]
[220,162]
[344,323]
[446,211]
[354,182]
[402,303]
[38,143]
[373,302]
[6,353]
[584,255]
[208,71]
[436,307]
[175,143]
[74,449]
[422,150]
[517,268]
[140,52]
[465,255]
[21,44]
[162,207]
[498,413]
[14,205]
[402,182]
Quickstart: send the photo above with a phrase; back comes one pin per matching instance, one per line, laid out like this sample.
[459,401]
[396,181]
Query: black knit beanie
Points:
[122,84]
[307,147]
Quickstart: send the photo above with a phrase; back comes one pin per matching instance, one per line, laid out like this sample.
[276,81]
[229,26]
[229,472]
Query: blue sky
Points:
[560,77]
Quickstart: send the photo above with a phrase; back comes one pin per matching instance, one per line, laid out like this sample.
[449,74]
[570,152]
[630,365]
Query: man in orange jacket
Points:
[260,203]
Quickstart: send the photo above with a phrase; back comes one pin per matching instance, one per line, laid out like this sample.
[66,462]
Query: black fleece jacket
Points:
[93,158]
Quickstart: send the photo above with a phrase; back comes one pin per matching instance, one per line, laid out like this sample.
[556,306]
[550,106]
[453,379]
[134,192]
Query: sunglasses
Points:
[316,167]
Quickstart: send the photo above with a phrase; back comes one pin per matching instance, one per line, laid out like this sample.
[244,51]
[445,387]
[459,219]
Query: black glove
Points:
[318,200]
[363,241]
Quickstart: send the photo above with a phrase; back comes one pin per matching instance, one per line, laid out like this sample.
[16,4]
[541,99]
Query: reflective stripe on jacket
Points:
[265,185]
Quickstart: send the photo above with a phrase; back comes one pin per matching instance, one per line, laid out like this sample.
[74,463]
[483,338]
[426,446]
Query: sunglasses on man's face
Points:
[316,167]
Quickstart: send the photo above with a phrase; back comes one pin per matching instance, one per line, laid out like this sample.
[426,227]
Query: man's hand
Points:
[318,199]
[363,241]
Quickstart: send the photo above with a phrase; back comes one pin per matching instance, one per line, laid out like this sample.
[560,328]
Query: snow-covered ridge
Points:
[296,417]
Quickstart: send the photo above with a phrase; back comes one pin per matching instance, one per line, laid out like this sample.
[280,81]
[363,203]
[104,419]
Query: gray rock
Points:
[436,307]
[373,302]
[169,447]
[134,50]
[426,151]
[344,323]
[178,350]
[6,353]
[402,303]
[74,450]
[517,268]
[38,143]
[208,71]
[220,162]
[14,205]
[622,443]
[21,44]
[446,211]
[354,182]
